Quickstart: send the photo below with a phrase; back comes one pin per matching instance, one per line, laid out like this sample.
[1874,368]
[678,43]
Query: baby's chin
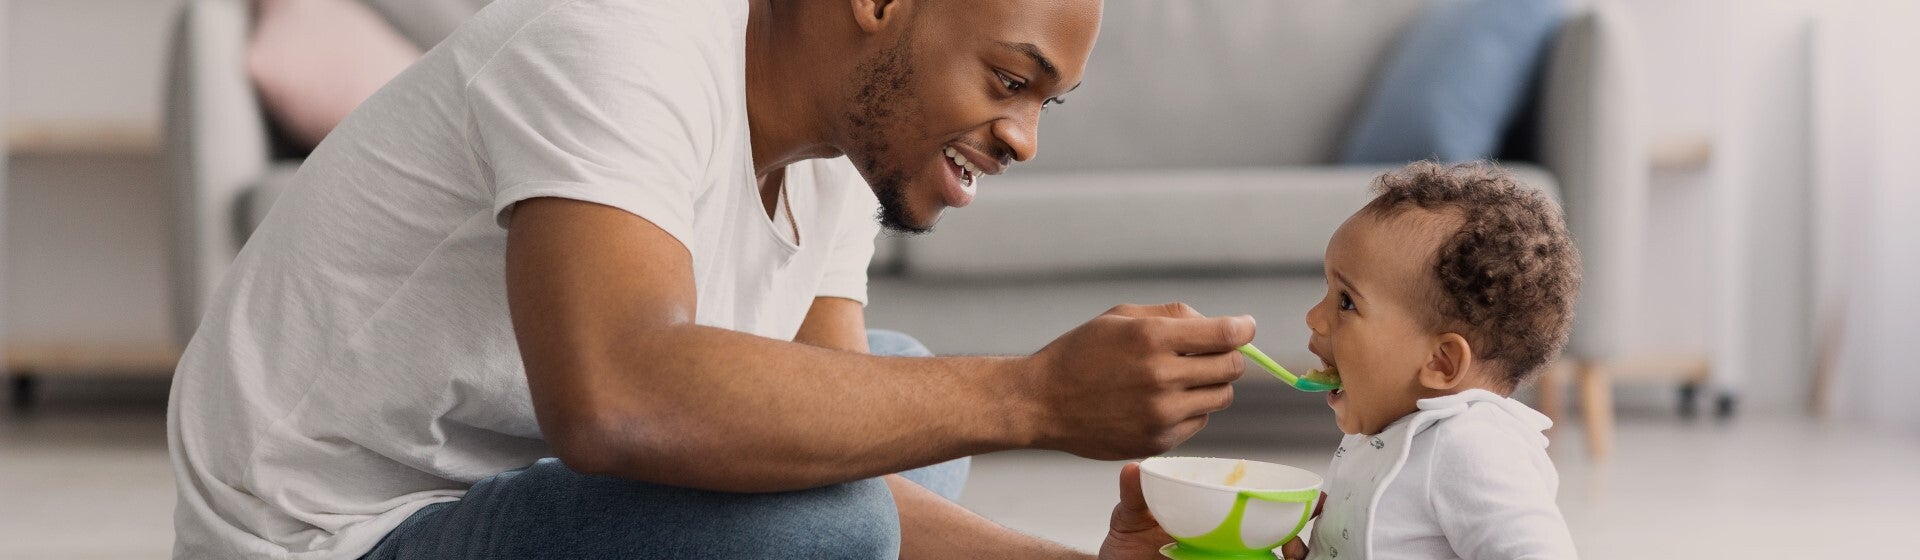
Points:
[1352,425]
[1342,417]
[1346,424]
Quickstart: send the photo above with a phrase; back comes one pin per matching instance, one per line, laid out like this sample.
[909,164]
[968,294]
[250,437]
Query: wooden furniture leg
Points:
[25,385]
[1596,405]
[1553,393]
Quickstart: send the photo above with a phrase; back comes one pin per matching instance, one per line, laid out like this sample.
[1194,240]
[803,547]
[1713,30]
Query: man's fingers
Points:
[1211,369]
[1208,335]
[1177,310]
[1294,549]
[1209,399]
[1186,428]
[1172,310]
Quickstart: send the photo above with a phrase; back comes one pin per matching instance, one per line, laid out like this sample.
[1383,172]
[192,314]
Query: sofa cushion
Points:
[426,22]
[1454,81]
[1168,221]
[313,61]
[1228,83]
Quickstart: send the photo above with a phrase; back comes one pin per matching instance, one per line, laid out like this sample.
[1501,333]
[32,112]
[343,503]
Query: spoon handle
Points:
[1272,366]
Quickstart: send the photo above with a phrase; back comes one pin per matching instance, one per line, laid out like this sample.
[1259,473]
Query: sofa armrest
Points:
[215,145]
[1591,140]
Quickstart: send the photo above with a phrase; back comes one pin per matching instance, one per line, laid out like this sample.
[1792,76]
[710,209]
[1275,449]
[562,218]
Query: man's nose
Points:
[1021,134]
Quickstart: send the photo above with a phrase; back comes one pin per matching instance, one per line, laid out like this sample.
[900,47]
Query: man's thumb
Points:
[1132,514]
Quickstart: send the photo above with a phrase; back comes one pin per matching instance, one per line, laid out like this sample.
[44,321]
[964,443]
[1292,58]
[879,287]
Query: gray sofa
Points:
[1195,162]
[1193,166]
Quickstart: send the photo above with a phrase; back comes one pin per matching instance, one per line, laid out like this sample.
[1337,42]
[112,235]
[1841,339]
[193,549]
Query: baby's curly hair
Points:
[1507,279]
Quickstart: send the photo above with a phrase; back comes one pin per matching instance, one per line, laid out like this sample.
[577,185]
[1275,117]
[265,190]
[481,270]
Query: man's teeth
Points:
[965,164]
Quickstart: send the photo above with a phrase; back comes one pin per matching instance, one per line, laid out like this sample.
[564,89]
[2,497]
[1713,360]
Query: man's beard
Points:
[885,101]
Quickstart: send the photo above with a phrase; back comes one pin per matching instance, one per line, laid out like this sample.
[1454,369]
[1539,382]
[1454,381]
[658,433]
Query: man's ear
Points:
[1447,367]
[874,15]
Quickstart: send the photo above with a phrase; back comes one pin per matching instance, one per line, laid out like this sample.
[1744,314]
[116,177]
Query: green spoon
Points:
[1301,383]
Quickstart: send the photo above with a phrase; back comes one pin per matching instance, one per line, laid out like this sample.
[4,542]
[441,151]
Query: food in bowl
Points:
[1238,473]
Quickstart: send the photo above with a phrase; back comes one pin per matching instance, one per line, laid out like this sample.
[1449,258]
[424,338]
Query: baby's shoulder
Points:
[1482,432]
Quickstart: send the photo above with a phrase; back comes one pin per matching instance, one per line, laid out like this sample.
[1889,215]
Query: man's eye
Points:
[1051,101]
[1346,302]
[1009,83]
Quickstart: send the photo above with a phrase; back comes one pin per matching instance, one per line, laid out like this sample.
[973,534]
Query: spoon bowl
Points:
[1295,381]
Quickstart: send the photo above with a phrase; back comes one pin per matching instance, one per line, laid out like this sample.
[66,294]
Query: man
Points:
[583,283]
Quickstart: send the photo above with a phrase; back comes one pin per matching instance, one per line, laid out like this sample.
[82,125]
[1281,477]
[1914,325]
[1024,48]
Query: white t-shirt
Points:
[358,362]
[1466,476]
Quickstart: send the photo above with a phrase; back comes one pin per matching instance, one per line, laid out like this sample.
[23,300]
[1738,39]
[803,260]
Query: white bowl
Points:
[1190,498]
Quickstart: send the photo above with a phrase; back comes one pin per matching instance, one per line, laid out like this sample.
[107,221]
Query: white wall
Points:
[1764,334]
[83,233]
[87,61]
[1680,97]
[4,204]
[1870,198]
[1810,105]
[1731,252]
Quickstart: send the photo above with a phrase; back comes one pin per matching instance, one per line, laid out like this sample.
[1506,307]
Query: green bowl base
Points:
[1177,552]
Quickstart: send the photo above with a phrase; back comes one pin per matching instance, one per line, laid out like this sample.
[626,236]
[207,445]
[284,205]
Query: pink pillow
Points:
[313,61]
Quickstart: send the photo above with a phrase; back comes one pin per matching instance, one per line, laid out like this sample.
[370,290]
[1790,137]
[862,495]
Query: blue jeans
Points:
[548,511]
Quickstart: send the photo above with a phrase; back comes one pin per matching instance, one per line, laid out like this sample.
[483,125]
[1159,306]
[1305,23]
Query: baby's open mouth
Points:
[1329,375]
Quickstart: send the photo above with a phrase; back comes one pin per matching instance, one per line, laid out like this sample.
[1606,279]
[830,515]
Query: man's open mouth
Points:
[967,171]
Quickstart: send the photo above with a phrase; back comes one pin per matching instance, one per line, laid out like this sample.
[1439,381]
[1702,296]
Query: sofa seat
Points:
[1185,220]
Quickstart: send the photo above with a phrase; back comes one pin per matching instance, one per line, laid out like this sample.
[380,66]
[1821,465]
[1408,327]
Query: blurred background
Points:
[1740,176]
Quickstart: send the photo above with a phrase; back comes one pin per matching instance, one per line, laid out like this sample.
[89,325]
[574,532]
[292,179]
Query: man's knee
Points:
[855,520]
[882,342]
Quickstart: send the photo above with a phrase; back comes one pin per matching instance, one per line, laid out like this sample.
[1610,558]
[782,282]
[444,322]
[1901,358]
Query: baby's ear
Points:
[1448,365]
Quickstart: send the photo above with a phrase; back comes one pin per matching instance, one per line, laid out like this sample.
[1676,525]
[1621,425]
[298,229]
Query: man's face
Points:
[953,90]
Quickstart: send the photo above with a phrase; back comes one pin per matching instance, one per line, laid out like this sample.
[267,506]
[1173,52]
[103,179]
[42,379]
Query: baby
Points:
[1453,286]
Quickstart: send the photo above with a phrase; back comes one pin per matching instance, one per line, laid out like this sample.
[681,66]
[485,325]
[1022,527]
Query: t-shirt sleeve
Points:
[1493,500]
[602,104]
[845,273]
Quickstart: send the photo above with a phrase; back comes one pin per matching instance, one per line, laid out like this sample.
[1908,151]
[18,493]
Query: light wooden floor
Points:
[90,479]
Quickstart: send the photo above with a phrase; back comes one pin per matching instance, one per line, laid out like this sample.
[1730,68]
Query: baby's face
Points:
[1370,325]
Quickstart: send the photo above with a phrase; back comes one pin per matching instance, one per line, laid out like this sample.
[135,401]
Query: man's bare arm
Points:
[931,527]
[625,383]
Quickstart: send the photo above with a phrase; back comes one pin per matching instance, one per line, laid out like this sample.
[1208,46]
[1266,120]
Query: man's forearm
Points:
[722,410]
[932,528]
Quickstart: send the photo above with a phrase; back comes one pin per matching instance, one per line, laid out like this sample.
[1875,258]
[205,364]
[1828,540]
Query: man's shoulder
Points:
[604,31]
[627,19]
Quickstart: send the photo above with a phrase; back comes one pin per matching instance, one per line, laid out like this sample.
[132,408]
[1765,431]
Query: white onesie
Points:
[1466,476]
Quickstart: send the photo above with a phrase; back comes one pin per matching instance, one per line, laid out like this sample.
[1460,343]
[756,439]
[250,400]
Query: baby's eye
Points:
[1346,302]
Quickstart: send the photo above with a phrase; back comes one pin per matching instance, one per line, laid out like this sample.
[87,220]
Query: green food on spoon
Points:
[1317,381]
